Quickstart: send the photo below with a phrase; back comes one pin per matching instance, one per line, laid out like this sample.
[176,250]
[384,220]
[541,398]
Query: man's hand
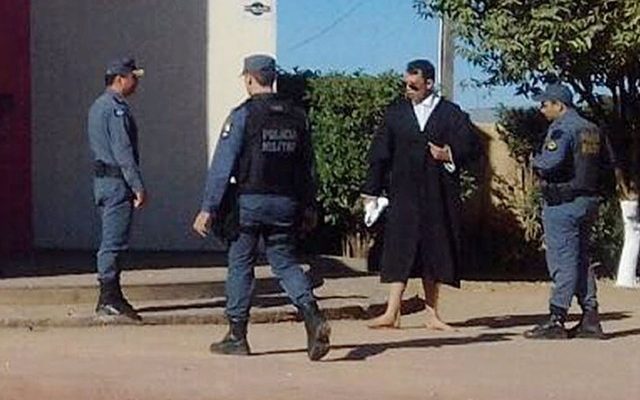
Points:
[202,223]
[366,199]
[139,199]
[440,153]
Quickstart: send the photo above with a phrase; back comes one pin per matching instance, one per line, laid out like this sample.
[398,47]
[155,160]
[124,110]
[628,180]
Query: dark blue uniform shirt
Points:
[224,158]
[559,143]
[113,136]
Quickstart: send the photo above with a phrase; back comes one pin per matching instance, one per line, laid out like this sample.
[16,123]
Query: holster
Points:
[104,170]
[227,224]
[555,195]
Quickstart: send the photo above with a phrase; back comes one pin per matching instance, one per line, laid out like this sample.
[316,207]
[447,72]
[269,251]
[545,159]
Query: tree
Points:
[593,45]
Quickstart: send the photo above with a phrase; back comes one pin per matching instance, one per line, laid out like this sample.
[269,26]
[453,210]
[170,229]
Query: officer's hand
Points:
[440,153]
[202,223]
[140,198]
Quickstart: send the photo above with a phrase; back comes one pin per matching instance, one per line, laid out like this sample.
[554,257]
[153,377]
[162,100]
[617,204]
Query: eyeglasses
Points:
[412,86]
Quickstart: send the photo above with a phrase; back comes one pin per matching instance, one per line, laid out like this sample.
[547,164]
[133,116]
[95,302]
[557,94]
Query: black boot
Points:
[552,329]
[111,302]
[318,331]
[235,341]
[589,326]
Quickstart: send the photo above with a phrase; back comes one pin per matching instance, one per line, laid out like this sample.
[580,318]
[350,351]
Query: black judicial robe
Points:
[422,236]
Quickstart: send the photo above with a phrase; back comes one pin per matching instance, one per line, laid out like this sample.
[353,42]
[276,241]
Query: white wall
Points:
[186,91]
[235,34]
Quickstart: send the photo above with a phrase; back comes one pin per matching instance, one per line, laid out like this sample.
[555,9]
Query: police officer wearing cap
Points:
[265,147]
[571,166]
[117,183]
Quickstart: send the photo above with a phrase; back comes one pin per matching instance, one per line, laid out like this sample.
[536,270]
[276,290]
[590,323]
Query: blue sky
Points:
[372,36]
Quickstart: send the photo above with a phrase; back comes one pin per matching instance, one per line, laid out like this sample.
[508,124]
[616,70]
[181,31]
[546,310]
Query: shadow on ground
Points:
[65,262]
[360,352]
[510,321]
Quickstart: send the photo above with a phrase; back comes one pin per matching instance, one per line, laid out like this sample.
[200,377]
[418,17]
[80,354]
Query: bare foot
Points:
[385,321]
[437,324]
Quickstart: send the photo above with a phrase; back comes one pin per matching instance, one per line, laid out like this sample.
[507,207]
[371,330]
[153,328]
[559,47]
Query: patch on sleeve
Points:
[226,128]
[119,112]
[551,145]
[556,134]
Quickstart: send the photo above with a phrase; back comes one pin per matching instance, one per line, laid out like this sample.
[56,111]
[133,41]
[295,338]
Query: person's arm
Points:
[224,159]
[123,152]
[310,181]
[379,159]
[556,149]
[464,145]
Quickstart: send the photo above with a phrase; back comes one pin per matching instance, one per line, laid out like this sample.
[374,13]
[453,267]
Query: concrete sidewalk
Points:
[193,295]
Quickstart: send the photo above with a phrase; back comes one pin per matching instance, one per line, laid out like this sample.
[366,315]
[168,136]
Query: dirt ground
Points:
[487,358]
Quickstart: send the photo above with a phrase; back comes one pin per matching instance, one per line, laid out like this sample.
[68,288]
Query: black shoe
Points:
[552,329]
[112,303]
[234,342]
[118,309]
[318,331]
[589,326]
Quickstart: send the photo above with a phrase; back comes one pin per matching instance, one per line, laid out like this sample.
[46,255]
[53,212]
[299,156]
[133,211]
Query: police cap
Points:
[555,92]
[124,66]
[260,63]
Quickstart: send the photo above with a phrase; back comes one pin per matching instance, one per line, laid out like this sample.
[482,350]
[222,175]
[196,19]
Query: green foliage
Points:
[522,129]
[591,44]
[345,110]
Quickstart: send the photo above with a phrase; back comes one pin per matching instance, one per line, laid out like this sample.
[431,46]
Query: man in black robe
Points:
[415,159]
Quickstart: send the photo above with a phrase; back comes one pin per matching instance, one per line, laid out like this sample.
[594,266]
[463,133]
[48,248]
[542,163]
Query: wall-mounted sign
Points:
[257,8]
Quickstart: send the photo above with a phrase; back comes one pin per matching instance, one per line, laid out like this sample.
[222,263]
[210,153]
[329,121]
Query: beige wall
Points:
[192,52]
[236,33]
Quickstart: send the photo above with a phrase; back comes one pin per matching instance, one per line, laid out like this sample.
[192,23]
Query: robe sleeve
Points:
[463,140]
[379,159]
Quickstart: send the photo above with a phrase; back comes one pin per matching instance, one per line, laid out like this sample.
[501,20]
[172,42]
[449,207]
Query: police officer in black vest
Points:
[264,147]
[572,166]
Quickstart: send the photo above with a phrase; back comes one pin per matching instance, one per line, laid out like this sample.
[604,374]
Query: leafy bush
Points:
[345,110]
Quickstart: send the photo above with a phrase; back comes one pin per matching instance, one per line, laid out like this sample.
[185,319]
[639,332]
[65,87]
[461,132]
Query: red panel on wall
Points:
[15,131]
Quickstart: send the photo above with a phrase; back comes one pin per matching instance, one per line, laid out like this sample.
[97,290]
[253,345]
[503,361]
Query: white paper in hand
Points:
[373,210]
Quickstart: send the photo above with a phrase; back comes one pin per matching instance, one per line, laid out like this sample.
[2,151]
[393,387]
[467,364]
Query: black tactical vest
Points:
[589,159]
[583,171]
[271,159]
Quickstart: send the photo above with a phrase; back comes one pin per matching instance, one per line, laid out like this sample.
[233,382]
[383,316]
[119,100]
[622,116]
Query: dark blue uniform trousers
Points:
[115,206]
[567,229]
[272,217]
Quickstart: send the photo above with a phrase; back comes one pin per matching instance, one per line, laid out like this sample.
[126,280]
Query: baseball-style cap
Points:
[555,92]
[261,63]
[123,66]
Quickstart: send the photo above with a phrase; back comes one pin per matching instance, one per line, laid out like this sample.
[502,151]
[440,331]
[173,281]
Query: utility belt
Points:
[104,170]
[555,195]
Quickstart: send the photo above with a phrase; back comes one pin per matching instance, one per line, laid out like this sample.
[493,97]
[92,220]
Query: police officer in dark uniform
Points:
[571,165]
[117,184]
[265,147]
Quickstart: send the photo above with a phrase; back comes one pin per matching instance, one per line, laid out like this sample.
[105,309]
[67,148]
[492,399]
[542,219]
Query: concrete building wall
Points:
[192,51]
